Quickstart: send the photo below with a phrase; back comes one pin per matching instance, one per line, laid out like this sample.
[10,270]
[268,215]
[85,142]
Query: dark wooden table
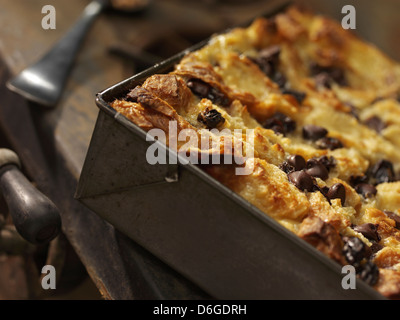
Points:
[52,143]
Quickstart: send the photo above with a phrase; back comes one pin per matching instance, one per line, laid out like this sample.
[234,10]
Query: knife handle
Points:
[35,216]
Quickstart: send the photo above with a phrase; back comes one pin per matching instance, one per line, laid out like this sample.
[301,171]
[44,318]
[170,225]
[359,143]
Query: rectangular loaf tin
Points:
[193,223]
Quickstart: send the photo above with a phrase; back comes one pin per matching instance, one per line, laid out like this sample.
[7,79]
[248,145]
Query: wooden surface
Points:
[53,143]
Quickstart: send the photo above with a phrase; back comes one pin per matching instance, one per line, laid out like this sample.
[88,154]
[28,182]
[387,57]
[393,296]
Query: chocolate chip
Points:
[375,247]
[366,190]
[265,66]
[368,272]
[274,124]
[337,191]
[394,217]
[317,170]
[280,79]
[211,118]
[354,250]
[315,69]
[324,190]
[328,162]
[297,162]
[383,171]
[355,180]
[375,123]
[302,180]
[205,90]
[338,75]
[280,123]
[329,143]
[299,96]
[353,110]
[270,53]
[330,73]
[323,80]
[268,60]
[288,123]
[368,230]
[313,132]
[286,167]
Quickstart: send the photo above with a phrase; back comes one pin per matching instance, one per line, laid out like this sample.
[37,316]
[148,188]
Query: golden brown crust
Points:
[322,236]
[267,187]
[169,88]
[320,75]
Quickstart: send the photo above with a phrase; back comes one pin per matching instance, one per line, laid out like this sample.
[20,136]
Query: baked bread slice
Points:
[323,110]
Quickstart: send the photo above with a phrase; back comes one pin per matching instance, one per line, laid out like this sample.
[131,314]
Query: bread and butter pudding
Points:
[324,111]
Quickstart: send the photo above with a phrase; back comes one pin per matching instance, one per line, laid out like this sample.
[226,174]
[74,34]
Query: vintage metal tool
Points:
[34,215]
[44,81]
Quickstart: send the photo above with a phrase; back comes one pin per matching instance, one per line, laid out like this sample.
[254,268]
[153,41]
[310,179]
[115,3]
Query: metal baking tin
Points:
[192,222]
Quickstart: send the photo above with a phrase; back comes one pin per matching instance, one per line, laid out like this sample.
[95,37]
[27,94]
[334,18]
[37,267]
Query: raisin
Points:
[211,118]
[329,143]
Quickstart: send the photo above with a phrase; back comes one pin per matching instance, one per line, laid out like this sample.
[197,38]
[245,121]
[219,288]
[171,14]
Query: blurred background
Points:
[94,261]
